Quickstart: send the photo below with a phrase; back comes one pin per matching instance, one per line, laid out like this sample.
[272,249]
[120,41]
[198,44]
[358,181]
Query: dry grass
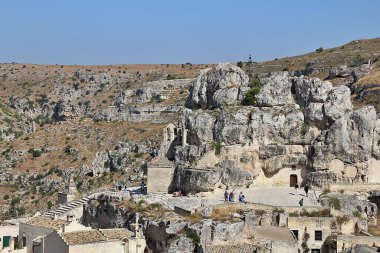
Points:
[225,213]
[375,230]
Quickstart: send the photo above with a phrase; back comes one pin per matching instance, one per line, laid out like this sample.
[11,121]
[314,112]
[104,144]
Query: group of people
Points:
[230,197]
[305,188]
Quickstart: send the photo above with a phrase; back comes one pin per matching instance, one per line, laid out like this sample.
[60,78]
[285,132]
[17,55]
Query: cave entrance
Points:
[293,180]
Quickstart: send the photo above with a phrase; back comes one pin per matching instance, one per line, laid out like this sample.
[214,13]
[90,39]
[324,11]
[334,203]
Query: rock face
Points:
[298,123]
[217,87]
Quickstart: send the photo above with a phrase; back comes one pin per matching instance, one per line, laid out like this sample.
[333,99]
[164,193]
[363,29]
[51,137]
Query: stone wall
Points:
[31,232]
[159,179]
[109,246]
[347,241]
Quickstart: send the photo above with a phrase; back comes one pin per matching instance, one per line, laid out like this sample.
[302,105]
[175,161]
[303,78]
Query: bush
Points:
[356,213]
[250,96]
[335,203]
[305,128]
[170,77]
[217,147]
[285,69]
[193,236]
[6,197]
[318,50]
[36,153]
[239,64]
[68,149]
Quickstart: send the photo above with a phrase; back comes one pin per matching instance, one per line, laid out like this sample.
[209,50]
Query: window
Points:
[315,251]
[295,233]
[318,235]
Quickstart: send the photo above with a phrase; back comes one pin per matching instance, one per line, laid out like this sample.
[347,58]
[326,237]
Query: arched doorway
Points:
[293,180]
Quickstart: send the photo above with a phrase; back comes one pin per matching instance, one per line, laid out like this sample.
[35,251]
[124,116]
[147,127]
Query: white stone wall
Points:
[31,232]
[281,179]
[159,179]
[109,247]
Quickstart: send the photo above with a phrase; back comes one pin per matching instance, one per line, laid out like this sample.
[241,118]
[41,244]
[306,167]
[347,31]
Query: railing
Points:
[313,198]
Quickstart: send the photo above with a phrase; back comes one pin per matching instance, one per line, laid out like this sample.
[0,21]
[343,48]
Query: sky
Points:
[100,32]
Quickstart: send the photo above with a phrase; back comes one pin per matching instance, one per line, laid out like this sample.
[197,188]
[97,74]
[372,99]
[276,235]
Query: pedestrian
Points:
[231,197]
[301,202]
[296,188]
[226,195]
[241,197]
[306,188]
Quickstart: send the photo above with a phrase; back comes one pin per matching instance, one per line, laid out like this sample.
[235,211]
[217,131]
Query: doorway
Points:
[293,180]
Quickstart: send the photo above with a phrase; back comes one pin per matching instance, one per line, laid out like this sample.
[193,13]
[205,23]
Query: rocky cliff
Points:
[297,124]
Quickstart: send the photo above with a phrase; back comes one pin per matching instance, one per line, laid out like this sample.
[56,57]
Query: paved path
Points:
[279,196]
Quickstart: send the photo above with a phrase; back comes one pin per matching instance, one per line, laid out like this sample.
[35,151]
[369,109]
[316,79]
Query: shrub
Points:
[239,64]
[217,147]
[285,69]
[335,203]
[319,50]
[170,77]
[192,234]
[107,164]
[36,153]
[305,128]
[6,197]
[68,149]
[49,204]
[356,213]
[250,96]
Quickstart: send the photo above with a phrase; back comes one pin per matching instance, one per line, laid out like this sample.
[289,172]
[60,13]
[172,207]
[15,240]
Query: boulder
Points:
[217,87]
[338,103]
[310,90]
[275,90]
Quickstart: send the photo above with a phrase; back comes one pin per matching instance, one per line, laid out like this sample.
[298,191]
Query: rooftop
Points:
[273,234]
[94,235]
[47,223]
[116,233]
[239,248]
[83,237]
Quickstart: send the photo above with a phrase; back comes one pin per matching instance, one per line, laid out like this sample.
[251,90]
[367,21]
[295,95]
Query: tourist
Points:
[142,186]
[301,202]
[241,197]
[306,189]
[226,195]
[296,188]
[231,196]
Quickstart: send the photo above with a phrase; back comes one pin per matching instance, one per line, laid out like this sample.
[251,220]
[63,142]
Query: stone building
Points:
[39,227]
[68,194]
[311,230]
[161,168]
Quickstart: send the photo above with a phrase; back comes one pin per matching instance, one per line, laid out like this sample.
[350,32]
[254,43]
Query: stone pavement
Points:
[278,196]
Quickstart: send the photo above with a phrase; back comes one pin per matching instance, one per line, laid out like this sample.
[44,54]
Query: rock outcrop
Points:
[297,123]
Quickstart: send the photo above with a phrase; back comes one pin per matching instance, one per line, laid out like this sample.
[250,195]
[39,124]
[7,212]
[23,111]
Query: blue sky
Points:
[174,31]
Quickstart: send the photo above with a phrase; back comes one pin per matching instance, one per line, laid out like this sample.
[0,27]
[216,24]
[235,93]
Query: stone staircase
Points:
[67,207]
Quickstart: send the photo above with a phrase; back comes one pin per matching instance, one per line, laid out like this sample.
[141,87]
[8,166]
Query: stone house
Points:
[87,241]
[39,227]
[311,231]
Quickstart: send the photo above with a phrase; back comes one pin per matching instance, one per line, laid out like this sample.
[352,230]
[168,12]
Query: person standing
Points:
[301,202]
[225,195]
[296,188]
[306,189]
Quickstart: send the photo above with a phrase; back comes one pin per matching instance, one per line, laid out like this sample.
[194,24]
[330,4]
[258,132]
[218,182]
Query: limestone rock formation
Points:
[298,124]
[217,87]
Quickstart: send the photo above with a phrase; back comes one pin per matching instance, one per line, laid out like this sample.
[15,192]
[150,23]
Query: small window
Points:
[315,251]
[295,233]
[318,235]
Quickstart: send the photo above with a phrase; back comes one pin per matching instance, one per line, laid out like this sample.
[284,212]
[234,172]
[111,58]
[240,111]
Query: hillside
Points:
[98,124]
